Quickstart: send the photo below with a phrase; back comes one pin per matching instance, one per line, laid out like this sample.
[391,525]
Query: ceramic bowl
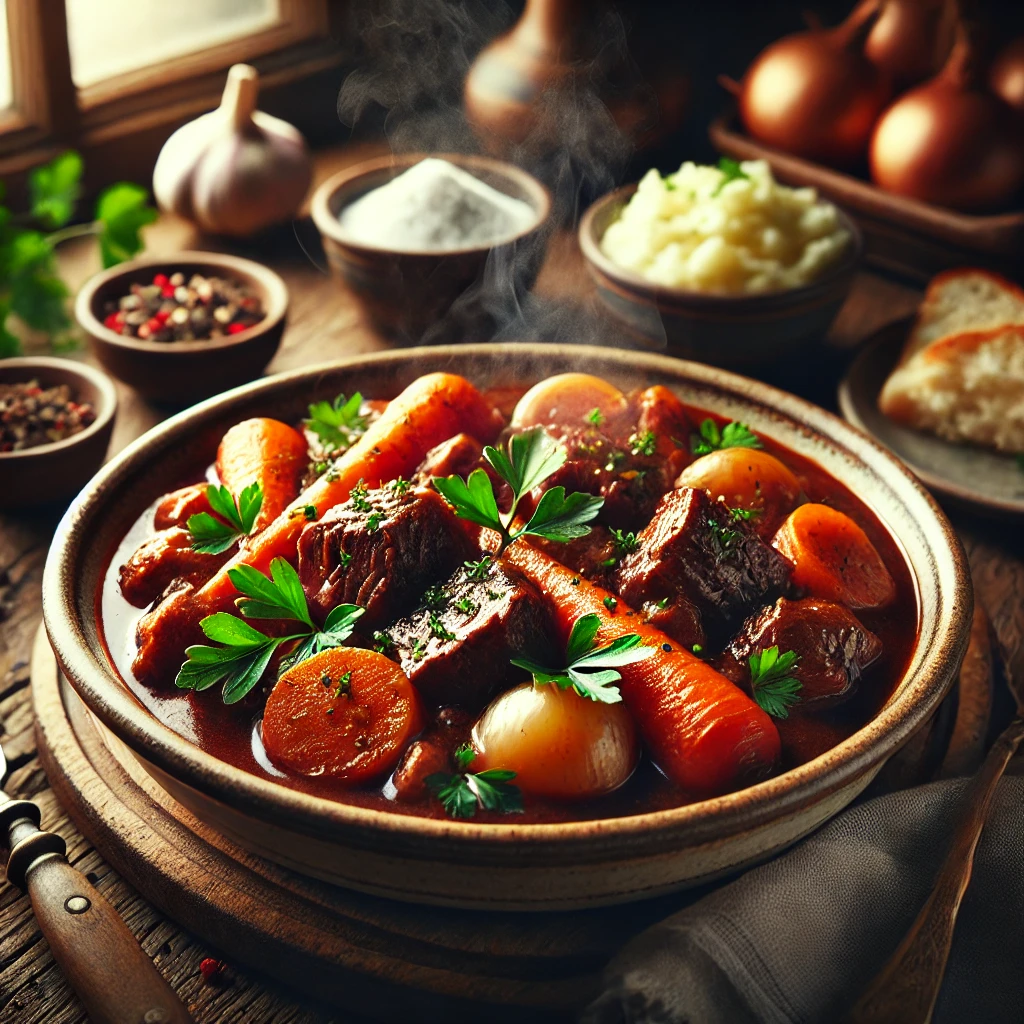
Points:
[408,294]
[183,371]
[735,331]
[57,471]
[509,866]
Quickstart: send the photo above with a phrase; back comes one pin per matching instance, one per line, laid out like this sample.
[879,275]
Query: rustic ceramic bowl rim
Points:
[328,224]
[785,794]
[643,289]
[276,294]
[104,414]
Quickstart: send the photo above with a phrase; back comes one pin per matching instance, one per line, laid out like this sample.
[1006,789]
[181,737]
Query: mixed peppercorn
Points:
[31,415]
[173,309]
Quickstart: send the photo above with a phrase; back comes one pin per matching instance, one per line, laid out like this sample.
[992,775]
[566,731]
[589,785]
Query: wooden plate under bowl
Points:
[985,480]
[509,866]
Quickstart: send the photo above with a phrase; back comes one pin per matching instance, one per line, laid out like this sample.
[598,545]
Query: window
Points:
[112,78]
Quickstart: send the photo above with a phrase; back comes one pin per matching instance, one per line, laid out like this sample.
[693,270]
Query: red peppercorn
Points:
[112,322]
[210,968]
[236,328]
[162,315]
[167,291]
[161,280]
[154,325]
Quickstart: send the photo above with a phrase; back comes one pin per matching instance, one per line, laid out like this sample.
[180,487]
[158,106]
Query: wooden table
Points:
[324,323]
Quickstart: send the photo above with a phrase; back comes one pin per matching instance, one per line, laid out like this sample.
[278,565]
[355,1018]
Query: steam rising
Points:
[415,57]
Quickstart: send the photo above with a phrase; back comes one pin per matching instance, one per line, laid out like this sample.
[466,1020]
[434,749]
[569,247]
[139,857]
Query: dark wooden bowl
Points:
[57,471]
[509,866]
[181,372]
[407,294]
[735,331]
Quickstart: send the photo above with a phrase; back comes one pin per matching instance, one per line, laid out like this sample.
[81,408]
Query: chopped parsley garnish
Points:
[670,185]
[530,458]
[400,486]
[212,537]
[337,424]
[438,628]
[774,686]
[463,792]
[625,543]
[731,171]
[418,650]
[595,417]
[373,521]
[643,444]
[478,570]
[745,515]
[382,643]
[465,606]
[610,603]
[723,537]
[358,497]
[697,649]
[732,435]
[345,559]
[590,670]
[435,597]
[615,459]
[344,685]
[246,652]
[308,512]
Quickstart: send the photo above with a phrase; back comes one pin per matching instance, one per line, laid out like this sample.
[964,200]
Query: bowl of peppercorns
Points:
[186,327]
[56,416]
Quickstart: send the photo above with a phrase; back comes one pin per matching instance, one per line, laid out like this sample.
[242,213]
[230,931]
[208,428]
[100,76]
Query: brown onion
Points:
[1006,76]
[911,39]
[815,94]
[950,141]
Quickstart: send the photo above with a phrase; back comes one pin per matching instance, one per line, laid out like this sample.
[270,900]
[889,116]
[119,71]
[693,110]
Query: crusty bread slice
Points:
[968,387]
[958,301]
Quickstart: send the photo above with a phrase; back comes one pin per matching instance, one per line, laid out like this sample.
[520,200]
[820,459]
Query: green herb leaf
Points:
[731,171]
[122,211]
[590,670]
[562,518]
[472,499]
[595,417]
[280,597]
[531,458]
[55,188]
[771,680]
[643,444]
[213,537]
[461,794]
[625,543]
[465,755]
[732,435]
[337,423]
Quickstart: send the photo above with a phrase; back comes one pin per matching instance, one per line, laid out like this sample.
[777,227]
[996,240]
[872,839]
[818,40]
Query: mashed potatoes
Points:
[731,229]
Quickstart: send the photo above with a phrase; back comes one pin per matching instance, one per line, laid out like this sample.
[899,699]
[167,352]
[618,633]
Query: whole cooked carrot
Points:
[704,732]
[267,452]
[430,410]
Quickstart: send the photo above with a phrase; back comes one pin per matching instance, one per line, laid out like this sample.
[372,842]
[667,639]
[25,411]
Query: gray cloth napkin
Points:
[796,940]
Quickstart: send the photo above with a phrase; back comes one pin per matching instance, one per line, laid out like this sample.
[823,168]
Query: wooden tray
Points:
[902,236]
[385,960]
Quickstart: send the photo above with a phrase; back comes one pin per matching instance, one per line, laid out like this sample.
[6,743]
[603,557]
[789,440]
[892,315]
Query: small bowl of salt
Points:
[433,246]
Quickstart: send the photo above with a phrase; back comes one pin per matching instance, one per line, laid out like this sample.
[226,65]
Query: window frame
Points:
[49,113]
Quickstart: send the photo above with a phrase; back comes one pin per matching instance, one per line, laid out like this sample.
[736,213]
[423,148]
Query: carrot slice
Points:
[430,410]
[346,712]
[267,452]
[703,731]
[833,558]
[175,508]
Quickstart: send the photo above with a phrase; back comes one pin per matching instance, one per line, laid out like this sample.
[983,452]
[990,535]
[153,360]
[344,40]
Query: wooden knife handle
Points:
[116,981]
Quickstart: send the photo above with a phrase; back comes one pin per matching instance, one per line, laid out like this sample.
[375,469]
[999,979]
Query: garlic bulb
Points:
[235,170]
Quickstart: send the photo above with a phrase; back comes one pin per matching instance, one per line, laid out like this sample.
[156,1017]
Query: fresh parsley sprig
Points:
[774,686]
[462,792]
[590,670]
[337,424]
[731,170]
[530,458]
[732,435]
[212,537]
[246,652]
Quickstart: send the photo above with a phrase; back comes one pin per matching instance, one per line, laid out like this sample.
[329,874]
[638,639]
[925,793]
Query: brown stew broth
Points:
[231,733]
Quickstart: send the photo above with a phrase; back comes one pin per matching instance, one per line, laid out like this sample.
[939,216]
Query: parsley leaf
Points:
[731,171]
[644,444]
[732,435]
[55,188]
[774,686]
[121,211]
[625,543]
[212,537]
[590,670]
[595,417]
[461,793]
[246,652]
[530,459]
[337,423]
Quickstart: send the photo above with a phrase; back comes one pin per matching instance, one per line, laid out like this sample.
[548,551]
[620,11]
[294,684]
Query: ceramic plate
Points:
[983,479]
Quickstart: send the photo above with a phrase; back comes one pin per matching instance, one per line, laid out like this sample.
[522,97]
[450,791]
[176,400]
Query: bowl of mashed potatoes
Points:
[721,264]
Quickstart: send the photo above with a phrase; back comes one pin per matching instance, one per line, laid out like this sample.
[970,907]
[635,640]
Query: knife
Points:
[99,956]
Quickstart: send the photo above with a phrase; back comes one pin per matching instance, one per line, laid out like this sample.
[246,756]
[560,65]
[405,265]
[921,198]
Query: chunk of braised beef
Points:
[175,508]
[677,618]
[433,751]
[693,549]
[662,416]
[160,561]
[834,648]
[593,555]
[457,647]
[380,549]
[459,455]
[629,481]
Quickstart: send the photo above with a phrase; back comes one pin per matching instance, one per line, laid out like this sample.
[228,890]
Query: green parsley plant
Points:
[212,536]
[462,792]
[732,435]
[337,424]
[774,686]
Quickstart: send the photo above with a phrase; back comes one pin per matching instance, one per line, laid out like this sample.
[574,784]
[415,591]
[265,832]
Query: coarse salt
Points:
[434,205]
